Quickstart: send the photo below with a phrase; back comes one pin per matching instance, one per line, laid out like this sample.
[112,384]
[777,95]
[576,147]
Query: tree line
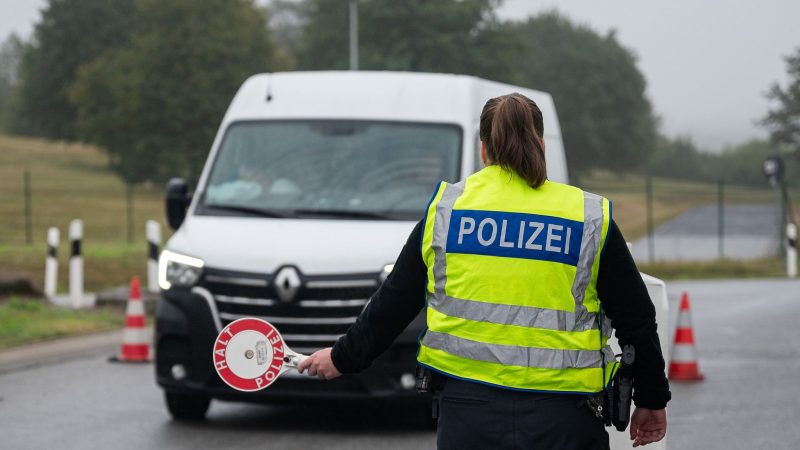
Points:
[149,80]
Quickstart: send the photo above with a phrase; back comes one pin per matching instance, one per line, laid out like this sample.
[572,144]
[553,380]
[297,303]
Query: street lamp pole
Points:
[353,35]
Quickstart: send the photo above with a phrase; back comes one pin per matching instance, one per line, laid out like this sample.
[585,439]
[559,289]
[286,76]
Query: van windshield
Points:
[330,169]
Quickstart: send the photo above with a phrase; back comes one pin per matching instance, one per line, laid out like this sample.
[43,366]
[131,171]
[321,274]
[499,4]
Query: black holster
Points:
[428,381]
[422,377]
[618,396]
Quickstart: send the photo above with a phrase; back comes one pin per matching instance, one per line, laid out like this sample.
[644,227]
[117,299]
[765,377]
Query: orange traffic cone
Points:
[135,347]
[683,366]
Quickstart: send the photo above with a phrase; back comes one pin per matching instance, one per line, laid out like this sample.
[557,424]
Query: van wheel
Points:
[187,407]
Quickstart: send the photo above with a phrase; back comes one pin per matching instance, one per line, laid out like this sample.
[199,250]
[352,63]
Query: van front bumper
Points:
[184,335]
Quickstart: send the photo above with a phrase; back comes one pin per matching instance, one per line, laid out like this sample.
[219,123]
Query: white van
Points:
[311,188]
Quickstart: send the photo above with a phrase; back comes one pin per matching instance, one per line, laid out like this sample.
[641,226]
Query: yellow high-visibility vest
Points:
[512,284]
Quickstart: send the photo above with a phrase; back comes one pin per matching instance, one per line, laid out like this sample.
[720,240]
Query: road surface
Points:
[747,337]
[746,334]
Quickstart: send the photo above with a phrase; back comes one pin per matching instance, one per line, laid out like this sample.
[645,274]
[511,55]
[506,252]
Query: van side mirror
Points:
[178,200]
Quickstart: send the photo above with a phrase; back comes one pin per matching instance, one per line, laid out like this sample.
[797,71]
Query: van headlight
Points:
[178,270]
[387,269]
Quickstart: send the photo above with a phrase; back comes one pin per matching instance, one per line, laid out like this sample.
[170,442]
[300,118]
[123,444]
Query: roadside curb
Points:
[63,349]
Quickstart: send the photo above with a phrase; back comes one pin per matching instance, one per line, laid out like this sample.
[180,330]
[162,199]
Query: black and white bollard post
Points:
[76,264]
[51,263]
[791,250]
[153,232]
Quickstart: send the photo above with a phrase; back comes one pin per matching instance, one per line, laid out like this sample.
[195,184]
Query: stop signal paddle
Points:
[249,355]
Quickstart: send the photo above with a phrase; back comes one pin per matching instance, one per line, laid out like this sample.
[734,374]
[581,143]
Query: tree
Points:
[681,158]
[738,165]
[156,103]
[418,35]
[10,53]
[742,164]
[784,120]
[606,118]
[70,33]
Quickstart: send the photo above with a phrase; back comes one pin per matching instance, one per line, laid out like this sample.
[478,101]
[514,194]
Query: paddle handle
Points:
[292,359]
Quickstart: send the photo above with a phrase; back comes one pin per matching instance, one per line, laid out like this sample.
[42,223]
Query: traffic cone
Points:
[683,366]
[135,347]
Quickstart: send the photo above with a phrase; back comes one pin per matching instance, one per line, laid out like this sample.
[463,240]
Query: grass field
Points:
[72,181]
[30,320]
[68,181]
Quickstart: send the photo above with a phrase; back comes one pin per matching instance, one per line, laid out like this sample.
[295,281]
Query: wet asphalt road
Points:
[746,334]
[90,403]
[93,404]
[747,337]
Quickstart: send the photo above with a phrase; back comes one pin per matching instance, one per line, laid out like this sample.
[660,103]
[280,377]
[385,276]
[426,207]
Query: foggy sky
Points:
[707,63]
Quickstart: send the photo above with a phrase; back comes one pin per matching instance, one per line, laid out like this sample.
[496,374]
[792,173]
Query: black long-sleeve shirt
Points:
[621,290]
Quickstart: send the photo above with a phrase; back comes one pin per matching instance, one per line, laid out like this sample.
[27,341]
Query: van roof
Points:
[374,95]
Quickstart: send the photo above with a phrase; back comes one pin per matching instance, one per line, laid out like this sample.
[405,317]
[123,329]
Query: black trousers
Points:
[476,416]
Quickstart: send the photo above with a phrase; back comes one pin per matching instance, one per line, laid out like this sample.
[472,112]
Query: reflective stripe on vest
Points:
[507,337]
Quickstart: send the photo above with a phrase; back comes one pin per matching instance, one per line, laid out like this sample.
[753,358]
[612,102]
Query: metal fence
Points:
[664,219]
[112,211]
[669,220]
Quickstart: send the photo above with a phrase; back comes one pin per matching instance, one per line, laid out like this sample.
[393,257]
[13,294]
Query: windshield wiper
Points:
[342,213]
[251,211]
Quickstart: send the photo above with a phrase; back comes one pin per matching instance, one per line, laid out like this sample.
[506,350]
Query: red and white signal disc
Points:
[249,354]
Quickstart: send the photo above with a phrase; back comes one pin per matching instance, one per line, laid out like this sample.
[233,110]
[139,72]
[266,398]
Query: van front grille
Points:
[321,311]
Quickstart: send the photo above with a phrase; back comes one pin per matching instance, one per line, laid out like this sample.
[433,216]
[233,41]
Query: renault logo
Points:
[287,283]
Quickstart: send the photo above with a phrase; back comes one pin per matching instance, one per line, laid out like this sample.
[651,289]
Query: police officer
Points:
[521,277]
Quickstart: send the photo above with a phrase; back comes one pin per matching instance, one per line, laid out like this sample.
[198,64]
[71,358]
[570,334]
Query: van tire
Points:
[187,407]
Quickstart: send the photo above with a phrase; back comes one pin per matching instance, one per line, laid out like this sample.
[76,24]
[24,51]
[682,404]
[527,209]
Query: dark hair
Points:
[512,128]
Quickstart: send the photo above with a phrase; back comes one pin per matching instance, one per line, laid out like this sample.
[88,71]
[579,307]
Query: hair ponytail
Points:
[511,128]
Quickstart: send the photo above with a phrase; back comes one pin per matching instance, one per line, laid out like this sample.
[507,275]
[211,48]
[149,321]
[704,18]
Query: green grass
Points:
[68,181]
[30,320]
[71,181]
[105,265]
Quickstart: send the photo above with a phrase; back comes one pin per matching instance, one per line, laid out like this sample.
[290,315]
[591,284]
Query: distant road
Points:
[750,232]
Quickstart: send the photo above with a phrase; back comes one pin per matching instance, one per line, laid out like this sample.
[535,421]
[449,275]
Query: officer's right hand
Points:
[320,365]
[648,425]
